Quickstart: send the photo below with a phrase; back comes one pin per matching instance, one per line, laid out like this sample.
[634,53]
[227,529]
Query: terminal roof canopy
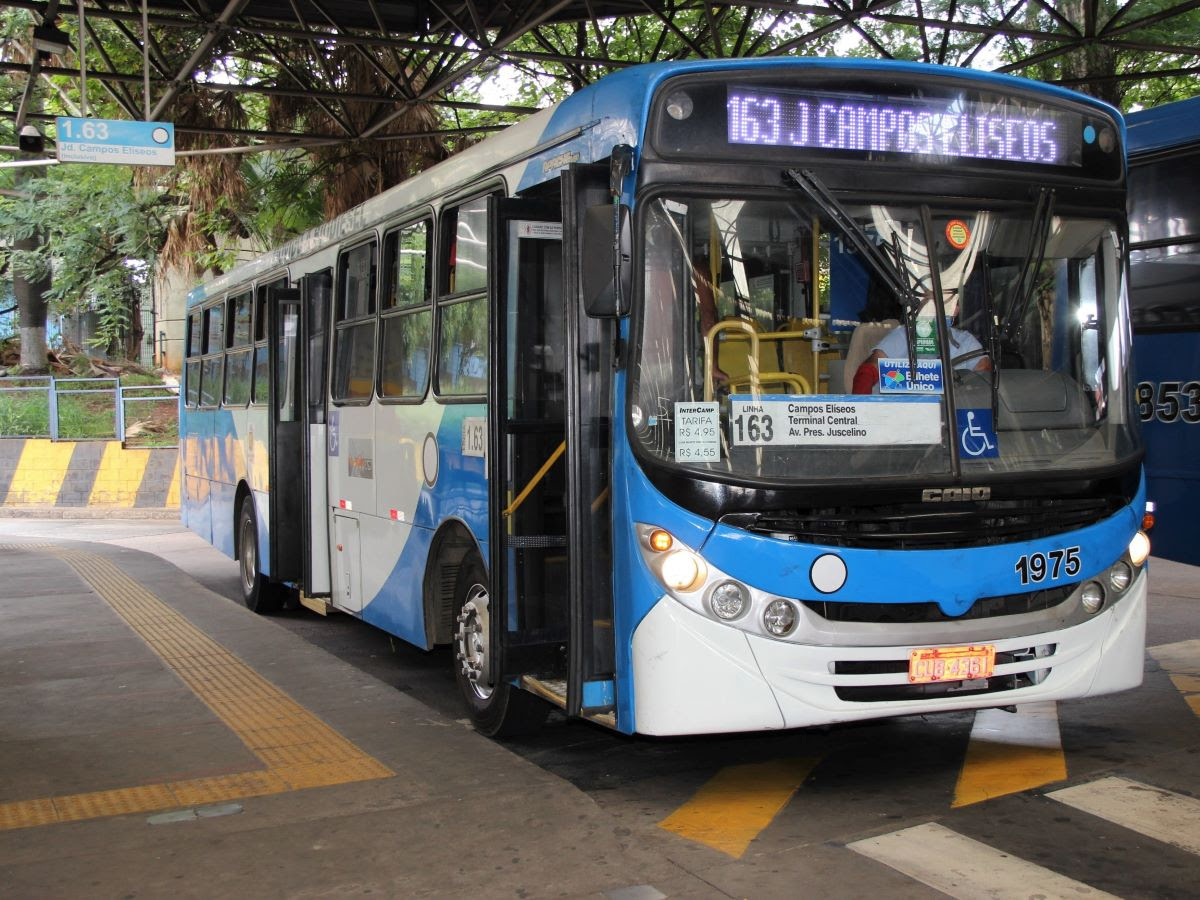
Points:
[361,67]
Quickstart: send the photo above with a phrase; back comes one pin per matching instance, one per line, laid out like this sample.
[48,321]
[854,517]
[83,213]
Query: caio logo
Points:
[955,495]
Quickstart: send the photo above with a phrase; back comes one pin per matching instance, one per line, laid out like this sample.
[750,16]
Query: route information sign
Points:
[115,141]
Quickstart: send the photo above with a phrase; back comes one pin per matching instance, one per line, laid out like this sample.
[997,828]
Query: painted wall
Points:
[39,472]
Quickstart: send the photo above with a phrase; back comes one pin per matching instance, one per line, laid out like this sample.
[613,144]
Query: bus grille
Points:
[912,613]
[915,526]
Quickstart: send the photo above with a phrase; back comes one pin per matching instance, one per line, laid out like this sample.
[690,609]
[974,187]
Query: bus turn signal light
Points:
[660,540]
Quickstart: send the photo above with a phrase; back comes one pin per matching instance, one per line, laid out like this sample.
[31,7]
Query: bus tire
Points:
[495,710]
[258,593]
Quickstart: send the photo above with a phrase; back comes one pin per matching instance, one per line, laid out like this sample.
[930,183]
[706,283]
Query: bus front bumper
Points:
[693,675]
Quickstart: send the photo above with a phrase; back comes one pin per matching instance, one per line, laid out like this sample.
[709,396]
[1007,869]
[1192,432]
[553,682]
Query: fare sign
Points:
[115,141]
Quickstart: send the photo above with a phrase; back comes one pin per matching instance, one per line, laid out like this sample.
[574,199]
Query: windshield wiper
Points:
[1035,254]
[891,272]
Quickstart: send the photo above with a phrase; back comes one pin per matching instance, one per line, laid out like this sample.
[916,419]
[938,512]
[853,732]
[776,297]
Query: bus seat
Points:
[866,335]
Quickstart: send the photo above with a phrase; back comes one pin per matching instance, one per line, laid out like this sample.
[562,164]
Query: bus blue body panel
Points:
[1172,437]
[1163,127]
[1166,357]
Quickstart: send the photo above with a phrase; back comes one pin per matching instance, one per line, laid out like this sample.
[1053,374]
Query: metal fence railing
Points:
[84,409]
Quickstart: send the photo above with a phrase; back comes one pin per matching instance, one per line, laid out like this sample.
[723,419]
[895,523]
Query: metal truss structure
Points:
[413,54]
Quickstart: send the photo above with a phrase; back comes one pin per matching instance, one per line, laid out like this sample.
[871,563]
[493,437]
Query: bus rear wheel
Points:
[258,593]
[496,710]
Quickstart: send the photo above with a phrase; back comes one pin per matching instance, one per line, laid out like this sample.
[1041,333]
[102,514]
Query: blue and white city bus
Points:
[722,396]
[1164,263]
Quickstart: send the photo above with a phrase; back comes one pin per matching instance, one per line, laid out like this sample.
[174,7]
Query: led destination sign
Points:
[954,128]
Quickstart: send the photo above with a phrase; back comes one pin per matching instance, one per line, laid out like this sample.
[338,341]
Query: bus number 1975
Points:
[1034,568]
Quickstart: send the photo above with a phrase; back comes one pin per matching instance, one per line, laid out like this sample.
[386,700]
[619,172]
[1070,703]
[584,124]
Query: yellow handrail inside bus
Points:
[535,480]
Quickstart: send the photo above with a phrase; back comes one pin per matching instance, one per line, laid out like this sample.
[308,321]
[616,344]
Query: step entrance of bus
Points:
[544,626]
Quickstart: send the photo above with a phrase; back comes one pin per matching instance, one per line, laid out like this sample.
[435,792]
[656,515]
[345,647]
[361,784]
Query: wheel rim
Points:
[249,556]
[471,641]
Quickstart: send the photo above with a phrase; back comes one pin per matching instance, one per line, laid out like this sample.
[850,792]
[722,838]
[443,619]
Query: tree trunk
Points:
[32,305]
[32,309]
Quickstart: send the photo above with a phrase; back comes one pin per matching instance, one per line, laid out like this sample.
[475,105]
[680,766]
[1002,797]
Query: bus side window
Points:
[214,355]
[239,356]
[319,288]
[261,388]
[195,342]
[407,318]
[354,336]
[462,355]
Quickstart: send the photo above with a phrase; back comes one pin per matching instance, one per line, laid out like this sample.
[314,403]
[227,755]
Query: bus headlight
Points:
[1119,576]
[682,570]
[728,600]
[779,618]
[1092,597]
[1139,548]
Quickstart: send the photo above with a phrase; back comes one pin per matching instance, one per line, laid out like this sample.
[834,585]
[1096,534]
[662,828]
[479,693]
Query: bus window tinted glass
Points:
[210,381]
[261,371]
[287,362]
[1162,199]
[237,376]
[462,354]
[195,335]
[1163,210]
[215,319]
[193,383]
[407,273]
[406,342]
[239,310]
[353,366]
[354,341]
[468,247]
[358,283]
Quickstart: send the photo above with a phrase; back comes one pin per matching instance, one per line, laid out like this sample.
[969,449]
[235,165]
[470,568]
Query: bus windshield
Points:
[786,340]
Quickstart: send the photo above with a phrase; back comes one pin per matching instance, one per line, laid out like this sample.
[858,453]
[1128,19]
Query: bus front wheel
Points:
[496,710]
[257,591]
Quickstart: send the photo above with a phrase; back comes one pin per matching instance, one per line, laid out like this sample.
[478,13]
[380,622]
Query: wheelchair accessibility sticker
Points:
[977,434]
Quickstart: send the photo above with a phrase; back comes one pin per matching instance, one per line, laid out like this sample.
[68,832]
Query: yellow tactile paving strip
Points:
[297,749]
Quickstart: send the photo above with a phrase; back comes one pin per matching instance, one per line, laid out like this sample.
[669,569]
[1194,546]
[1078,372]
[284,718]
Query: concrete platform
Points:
[156,740]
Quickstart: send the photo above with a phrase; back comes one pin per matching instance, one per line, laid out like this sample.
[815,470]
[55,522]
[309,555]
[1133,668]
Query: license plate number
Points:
[930,664]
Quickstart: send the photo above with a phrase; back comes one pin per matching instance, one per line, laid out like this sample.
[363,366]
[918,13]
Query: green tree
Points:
[99,235]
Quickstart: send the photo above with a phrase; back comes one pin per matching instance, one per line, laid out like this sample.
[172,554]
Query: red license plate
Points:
[930,664]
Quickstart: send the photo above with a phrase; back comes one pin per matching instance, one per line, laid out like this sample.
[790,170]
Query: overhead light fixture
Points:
[51,40]
[30,140]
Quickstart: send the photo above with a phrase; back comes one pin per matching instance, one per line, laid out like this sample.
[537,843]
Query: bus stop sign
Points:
[115,141]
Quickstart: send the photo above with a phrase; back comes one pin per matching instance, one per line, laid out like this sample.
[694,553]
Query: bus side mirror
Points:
[605,269]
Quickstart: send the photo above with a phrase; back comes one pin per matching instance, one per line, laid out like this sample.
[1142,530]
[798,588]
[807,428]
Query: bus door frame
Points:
[317,574]
[515,652]
[590,377]
[285,502]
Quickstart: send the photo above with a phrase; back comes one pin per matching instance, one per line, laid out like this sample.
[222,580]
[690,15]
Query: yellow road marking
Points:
[1010,753]
[738,803]
[297,749]
[40,473]
[1182,662]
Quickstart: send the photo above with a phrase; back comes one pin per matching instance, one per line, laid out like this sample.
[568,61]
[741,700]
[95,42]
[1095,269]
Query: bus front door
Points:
[546,456]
